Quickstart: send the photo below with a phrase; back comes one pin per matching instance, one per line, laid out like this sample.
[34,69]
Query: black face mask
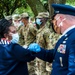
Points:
[52,27]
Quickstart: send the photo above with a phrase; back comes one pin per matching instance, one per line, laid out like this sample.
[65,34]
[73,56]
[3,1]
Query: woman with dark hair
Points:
[13,57]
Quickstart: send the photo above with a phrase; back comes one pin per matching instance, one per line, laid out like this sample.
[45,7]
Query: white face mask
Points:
[15,38]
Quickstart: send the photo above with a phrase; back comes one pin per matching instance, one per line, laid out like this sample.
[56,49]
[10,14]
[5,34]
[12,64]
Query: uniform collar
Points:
[70,28]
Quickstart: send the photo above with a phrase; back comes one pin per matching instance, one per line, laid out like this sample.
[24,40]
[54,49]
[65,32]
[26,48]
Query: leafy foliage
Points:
[22,9]
[70,2]
[9,6]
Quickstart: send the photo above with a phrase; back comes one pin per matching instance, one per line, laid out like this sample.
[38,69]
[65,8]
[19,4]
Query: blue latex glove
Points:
[34,47]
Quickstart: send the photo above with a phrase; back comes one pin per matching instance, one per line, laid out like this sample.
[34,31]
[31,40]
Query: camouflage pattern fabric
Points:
[27,36]
[53,39]
[47,39]
[43,39]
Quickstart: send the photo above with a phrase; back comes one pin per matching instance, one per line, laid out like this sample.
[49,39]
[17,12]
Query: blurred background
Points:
[33,7]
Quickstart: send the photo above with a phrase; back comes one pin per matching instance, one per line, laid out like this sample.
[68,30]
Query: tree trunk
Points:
[36,6]
[54,1]
[50,7]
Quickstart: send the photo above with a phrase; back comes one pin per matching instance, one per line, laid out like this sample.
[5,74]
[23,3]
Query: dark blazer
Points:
[62,56]
[13,59]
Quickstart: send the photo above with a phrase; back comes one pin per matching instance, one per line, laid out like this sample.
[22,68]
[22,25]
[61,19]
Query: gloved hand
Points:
[34,47]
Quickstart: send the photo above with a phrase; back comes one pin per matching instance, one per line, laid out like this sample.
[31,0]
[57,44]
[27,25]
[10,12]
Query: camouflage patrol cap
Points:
[8,17]
[23,15]
[16,17]
[43,15]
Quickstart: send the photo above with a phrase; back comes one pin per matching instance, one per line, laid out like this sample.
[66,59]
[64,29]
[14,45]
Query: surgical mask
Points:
[38,21]
[15,38]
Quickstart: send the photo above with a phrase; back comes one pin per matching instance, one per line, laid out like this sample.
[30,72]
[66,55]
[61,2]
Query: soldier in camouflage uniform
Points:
[53,39]
[16,20]
[43,39]
[27,36]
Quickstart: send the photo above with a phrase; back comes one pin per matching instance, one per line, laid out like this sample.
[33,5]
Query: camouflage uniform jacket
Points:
[47,39]
[27,34]
[43,37]
[53,39]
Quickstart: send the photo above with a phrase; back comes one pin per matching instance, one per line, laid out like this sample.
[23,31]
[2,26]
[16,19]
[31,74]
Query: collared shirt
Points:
[68,30]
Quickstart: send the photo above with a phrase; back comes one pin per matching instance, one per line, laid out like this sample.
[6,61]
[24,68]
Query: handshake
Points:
[34,47]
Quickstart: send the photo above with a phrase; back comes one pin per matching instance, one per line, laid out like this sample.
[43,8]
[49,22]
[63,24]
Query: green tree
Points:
[36,6]
[7,7]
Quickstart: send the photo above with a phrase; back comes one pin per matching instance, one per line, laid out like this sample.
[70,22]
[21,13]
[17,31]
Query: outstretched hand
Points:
[34,47]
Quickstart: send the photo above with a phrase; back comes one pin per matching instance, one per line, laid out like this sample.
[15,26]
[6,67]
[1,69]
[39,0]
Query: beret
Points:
[63,9]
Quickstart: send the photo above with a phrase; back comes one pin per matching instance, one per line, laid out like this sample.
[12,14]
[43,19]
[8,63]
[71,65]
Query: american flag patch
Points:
[62,48]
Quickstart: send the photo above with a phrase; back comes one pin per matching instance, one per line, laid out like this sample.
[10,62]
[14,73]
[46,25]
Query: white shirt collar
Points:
[68,29]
